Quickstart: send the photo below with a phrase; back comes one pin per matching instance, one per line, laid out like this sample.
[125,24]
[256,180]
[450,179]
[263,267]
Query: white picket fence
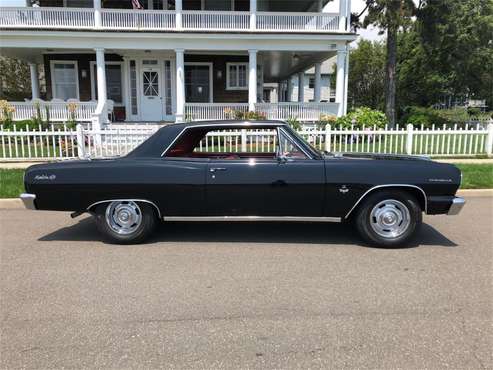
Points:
[62,142]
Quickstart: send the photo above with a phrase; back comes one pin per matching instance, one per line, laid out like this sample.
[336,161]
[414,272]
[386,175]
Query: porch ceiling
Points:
[279,65]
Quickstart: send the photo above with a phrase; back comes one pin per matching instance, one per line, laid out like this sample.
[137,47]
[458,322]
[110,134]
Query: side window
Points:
[288,148]
[225,144]
[262,141]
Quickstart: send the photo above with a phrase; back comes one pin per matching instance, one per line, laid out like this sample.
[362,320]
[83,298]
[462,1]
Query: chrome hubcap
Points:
[123,217]
[390,218]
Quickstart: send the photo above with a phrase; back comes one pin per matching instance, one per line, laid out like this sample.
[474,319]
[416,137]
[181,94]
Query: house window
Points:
[236,77]
[64,79]
[311,83]
[114,88]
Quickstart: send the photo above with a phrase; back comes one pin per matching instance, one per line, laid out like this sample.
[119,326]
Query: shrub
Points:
[294,123]
[428,117]
[473,111]
[325,119]
[6,112]
[362,117]
[252,116]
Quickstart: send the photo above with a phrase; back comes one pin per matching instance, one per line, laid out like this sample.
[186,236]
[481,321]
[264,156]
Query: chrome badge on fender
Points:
[45,177]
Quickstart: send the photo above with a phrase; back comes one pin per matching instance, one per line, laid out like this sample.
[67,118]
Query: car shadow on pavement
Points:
[247,232]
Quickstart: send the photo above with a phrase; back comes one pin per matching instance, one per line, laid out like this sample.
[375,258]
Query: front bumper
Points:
[28,200]
[456,206]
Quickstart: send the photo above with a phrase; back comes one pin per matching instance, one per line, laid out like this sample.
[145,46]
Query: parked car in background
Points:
[179,173]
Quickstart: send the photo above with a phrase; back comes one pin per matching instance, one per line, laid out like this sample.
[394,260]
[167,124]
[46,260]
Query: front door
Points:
[259,183]
[152,97]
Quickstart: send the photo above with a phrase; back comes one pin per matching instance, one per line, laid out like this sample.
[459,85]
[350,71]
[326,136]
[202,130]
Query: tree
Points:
[15,79]
[390,16]
[366,80]
[457,41]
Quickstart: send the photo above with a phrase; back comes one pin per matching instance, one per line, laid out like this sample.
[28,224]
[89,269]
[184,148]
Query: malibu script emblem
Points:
[45,177]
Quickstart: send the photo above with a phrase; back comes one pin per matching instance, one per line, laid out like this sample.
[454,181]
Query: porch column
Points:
[289,89]
[179,9]
[318,83]
[343,15]
[180,85]
[341,80]
[101,114]
[346,81]
[253,14]
[98,22]
[301,87]
[252,80]
[33,67]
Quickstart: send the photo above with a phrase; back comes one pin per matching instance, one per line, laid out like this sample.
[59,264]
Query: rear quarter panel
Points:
[174,186]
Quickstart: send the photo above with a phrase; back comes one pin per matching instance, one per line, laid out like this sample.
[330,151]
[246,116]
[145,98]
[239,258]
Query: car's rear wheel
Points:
[389,218]
[125,222]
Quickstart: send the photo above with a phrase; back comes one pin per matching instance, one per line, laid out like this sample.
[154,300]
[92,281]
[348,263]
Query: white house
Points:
[180,60]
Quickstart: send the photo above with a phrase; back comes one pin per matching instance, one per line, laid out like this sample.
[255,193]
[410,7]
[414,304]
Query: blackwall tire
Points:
[389,219]
[125,222]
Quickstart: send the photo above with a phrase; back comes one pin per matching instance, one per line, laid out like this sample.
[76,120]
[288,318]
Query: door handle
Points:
[215,169]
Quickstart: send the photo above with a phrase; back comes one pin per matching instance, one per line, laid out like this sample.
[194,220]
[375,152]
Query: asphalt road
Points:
[246,296]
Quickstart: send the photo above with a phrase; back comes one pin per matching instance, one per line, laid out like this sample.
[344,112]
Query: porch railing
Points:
[53,111]
[126,19]
[300,111]
[62,142]
[216,20]
[312,22]
[213,111]
[60,18]
[164,20]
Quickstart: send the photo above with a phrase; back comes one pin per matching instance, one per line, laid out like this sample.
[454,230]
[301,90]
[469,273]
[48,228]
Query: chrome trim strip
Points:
[295,142]
[128,200]
[28,200]
[253,218]
[389,186]
[239,124]
[457,205]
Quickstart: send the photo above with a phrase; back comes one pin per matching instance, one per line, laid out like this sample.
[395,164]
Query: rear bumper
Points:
[456,206]
[28,200]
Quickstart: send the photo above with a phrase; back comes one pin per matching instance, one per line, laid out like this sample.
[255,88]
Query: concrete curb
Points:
[475,192]
[11,203]
[16,203]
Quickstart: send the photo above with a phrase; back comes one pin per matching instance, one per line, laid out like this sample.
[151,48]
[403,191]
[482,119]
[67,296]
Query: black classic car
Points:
[179,174]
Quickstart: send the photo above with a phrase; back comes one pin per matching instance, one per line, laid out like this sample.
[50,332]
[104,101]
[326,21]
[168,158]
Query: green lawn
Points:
[475,176]
[11,183]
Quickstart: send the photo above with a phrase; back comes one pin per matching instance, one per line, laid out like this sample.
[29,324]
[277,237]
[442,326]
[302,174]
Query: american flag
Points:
[136,4]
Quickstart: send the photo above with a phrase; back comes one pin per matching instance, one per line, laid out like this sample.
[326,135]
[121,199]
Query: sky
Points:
[356,7]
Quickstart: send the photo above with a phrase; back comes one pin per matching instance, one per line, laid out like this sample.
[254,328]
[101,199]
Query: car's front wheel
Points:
[125,222]
[389,218]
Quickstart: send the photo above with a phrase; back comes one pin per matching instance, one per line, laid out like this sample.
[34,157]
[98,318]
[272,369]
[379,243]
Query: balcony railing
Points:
[217,21]
[151,20]
[163,20]
[298,22]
